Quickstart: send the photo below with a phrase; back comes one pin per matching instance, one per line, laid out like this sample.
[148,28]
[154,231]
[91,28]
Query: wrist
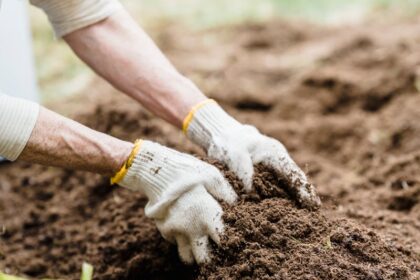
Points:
[146,169]
[125,161]
[170,95]
[186,95]
[120,156]
[207,121]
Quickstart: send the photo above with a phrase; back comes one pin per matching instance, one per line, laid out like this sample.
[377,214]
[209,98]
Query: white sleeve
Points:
[69,15]
[17,120]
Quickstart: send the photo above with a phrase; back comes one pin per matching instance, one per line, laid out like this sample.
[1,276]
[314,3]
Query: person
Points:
[182,191]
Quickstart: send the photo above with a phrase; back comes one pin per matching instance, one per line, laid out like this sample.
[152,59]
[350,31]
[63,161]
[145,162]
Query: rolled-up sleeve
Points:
[67,16]
[17,120]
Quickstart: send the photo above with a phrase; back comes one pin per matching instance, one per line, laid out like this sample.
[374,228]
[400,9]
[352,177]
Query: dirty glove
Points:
[241,146]
[181,190]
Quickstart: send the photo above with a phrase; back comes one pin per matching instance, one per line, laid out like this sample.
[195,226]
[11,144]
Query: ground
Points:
[344,101]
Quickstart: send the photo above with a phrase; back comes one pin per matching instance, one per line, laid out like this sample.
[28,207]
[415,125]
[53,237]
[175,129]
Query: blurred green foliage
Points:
[60,73]
[201,13]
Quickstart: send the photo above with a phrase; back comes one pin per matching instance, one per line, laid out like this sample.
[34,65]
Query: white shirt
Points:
[69,15]
[18,116]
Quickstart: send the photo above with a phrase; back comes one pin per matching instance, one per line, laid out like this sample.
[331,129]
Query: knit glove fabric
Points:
[181,190]
[241,146]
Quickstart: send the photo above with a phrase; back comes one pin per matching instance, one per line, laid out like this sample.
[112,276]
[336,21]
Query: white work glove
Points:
[241,146]
[181,190]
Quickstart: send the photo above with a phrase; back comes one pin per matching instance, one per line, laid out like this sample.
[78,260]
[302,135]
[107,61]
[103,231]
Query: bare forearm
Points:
[120,51]
[58,141]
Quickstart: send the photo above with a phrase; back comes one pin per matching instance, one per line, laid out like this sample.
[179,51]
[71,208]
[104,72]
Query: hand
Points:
[181,190]
[241,146]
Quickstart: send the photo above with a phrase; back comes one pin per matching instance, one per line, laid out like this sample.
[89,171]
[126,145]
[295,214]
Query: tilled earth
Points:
[344,101]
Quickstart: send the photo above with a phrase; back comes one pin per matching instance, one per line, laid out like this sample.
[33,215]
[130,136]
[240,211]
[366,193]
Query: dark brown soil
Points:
[344,102]
[268,237]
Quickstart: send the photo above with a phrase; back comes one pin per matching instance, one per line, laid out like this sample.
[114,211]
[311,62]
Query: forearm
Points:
[59,141]
[121,52]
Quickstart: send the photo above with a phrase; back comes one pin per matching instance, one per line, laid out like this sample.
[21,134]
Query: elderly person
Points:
[182,190]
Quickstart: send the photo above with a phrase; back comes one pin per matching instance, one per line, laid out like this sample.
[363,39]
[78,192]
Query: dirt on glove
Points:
[345,103]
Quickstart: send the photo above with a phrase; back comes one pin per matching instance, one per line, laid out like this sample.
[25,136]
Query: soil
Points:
[344,101]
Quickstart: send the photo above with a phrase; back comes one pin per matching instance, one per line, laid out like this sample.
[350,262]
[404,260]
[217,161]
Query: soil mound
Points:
[268,237]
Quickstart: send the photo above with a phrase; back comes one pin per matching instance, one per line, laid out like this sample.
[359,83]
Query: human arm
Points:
[105,36]
[120,51]
[32,133]
[62,142]
[181,189]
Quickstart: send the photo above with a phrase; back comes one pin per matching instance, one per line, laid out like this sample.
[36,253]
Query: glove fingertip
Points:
[187,259]
[242,165]
[230,195]
[245,174]
[216,230]
[308,197]
[246,179]
[184,250]
[220,189]
[200,248]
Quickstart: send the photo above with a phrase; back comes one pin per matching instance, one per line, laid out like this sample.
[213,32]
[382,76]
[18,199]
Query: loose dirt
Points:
[345,103]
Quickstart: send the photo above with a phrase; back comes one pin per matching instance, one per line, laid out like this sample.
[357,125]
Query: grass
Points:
[87,274]
[60,73]
[201,13]
[87,271]
[9,277]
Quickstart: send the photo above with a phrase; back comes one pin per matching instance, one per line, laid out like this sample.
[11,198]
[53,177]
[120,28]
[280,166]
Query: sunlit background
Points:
[61,74]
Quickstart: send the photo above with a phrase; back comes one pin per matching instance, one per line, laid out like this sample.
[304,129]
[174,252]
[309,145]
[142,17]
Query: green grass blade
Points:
[87,271]
[9,277]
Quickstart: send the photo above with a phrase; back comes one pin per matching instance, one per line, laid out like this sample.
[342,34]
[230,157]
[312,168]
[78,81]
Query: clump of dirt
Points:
[344,102]
[268,237]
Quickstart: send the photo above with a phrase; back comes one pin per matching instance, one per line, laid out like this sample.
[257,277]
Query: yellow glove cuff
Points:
[127,164]
[190,115]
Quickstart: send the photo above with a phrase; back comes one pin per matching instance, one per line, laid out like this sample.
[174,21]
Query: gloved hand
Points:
[181,190]
[241,146]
